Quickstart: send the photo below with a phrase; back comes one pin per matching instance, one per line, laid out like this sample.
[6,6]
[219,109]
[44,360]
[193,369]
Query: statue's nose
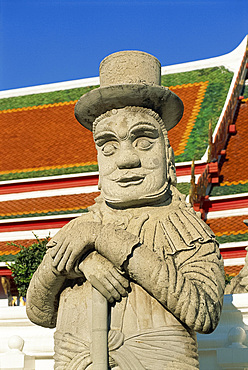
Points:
[128,159]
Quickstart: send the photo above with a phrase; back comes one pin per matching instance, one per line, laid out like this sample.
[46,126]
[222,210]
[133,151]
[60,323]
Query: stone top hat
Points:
[129,78]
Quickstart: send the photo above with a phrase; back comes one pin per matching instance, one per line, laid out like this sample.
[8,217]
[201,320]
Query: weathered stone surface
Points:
[239,284]
[141,246]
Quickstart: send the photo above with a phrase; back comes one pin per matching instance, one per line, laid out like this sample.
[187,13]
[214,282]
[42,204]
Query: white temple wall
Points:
[225,348]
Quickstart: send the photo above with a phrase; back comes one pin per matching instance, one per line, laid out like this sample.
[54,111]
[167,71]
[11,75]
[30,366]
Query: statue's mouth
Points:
[131,179]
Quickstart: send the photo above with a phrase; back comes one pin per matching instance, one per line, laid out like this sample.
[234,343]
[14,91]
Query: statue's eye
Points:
[143,143]
[109,148]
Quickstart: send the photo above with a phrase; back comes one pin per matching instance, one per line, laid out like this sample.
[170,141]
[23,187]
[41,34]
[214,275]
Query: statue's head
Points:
[130,115]
[134,156]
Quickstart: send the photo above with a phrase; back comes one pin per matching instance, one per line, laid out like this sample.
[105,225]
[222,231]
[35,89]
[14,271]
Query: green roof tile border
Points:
[41,214]
[232,238]
[184,187]
[215,96]
[50,172]
[53,97]
[7,257]
[229,189]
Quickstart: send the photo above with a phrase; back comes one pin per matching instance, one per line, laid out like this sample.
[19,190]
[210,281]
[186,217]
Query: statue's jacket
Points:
[177,288]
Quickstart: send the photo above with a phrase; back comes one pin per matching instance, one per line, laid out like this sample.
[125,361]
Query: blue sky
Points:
[52,41]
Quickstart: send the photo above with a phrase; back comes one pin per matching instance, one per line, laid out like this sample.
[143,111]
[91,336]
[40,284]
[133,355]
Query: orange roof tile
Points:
[233,270]
[43,137]
[228,225]
[235,169]
[47,204]
[6,248]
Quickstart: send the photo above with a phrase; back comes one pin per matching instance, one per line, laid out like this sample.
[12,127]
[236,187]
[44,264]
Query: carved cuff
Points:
[116,244]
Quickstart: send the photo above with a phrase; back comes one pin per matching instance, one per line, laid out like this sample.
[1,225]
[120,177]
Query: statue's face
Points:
[131,158]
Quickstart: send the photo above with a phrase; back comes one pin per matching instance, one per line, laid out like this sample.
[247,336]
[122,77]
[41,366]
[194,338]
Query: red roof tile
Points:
[7,247]
[233,270]
[235,169]
[43,137]
[228,225]
[47,204]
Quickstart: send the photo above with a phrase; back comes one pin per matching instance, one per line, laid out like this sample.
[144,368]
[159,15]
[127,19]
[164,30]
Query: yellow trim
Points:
[11,251]
[38,107]
[232,233]
[45,210]
[233,274]
[50,167]
[234,182]
[194,113]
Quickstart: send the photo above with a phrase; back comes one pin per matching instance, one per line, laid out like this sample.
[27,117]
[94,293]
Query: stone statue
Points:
[140,245]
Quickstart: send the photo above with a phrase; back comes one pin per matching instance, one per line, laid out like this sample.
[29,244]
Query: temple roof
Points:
[48,160]
[44,135]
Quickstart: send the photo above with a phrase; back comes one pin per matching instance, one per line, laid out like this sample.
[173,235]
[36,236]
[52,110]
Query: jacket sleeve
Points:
[47,283]
[43,294]
[189,283]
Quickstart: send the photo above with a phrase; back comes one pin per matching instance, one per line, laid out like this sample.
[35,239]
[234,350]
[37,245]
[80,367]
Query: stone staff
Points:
[99,344]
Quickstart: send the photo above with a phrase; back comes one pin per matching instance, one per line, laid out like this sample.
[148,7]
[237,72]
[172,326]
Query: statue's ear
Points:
[171,166]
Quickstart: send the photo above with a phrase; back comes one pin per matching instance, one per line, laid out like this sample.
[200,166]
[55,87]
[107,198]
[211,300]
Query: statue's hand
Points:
[243,276]
[71,243]
[104,277]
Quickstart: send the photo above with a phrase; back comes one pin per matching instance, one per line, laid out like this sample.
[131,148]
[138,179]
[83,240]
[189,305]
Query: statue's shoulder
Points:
[184,228]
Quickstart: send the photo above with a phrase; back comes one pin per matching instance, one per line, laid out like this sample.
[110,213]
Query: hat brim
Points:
[158,98]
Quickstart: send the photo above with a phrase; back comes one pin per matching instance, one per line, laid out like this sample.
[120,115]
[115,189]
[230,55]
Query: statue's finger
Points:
[60,254]
[62,263]
[122,280]
[55,249]
[99,286]
[117,286]
[71,261]
[110,288]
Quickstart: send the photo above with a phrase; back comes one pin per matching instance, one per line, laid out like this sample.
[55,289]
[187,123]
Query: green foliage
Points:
[26,262]
[228,279]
